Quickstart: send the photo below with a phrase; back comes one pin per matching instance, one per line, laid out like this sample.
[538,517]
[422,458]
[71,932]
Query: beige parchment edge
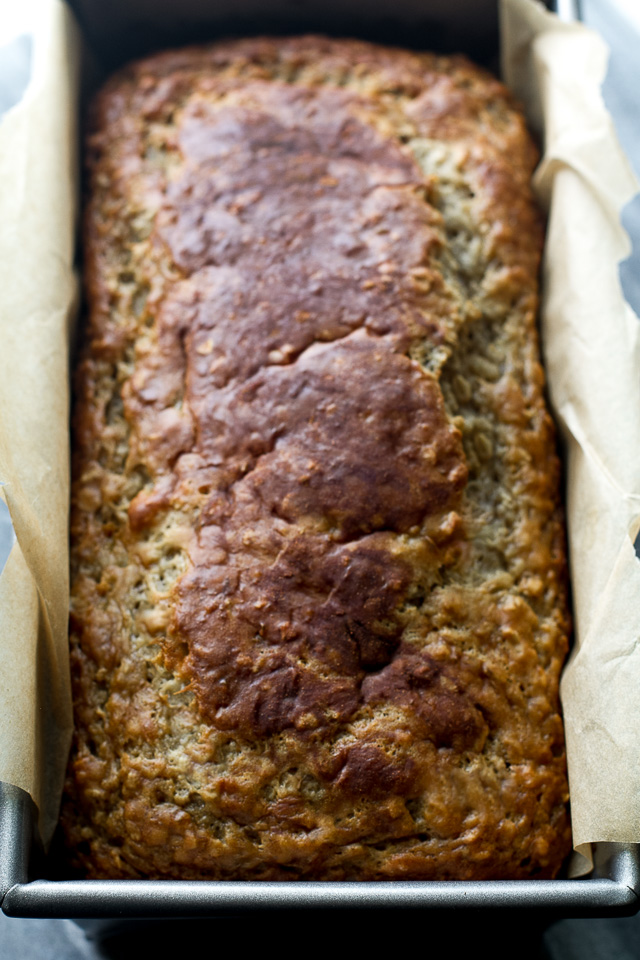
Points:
[591,341]
[37,296]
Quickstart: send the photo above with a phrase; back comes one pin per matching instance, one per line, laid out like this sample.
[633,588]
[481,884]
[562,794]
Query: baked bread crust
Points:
[318,602]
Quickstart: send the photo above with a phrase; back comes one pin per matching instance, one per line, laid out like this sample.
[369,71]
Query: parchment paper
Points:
[591,342]
[592,354]
[37,292]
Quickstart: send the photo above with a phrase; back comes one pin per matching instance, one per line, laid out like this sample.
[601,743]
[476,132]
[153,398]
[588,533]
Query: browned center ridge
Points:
[320,439]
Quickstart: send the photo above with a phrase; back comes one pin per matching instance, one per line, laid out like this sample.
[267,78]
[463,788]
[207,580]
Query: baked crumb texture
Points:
[318,607]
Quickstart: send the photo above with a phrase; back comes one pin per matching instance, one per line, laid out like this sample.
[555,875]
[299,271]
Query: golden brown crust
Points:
[318,606]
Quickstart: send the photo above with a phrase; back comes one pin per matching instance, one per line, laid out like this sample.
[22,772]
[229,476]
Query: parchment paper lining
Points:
[591,341]
[37,293]
[592,353]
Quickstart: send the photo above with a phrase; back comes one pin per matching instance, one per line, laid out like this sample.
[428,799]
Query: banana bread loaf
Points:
[318,604]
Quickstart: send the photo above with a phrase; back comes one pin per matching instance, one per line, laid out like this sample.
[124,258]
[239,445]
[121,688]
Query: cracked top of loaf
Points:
[318,604]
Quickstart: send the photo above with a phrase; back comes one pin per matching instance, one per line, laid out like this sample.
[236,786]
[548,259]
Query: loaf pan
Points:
[612,888]
[116,32]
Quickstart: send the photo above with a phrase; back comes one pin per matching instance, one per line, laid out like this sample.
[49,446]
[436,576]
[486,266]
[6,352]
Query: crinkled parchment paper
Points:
[37,293]
[591,342]
[592,354]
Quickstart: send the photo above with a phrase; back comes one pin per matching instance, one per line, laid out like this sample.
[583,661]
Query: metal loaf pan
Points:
[116,32]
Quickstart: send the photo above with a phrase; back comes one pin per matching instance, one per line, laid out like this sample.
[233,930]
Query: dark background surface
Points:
[526,936]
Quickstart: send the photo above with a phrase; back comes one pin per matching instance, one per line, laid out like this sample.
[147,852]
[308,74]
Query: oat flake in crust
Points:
[318,608]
